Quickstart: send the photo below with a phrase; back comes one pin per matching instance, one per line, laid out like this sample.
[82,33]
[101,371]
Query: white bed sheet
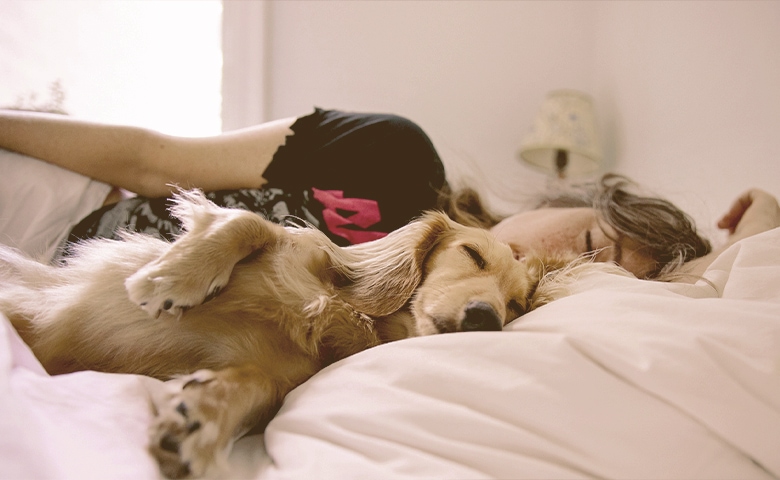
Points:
[623,379]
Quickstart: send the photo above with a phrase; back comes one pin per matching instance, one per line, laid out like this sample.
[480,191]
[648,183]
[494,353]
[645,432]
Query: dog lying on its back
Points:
[240,311]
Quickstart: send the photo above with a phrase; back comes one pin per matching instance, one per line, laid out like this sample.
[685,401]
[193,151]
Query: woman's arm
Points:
[754,212]
[141,160]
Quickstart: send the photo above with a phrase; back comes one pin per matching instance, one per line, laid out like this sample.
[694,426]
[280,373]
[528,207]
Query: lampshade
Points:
[564,139]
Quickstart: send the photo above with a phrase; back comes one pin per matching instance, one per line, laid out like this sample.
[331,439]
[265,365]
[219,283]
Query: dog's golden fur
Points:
[240,311]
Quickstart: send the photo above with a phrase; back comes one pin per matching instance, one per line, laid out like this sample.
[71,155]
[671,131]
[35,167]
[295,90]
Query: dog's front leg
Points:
[199,416]
[199,263]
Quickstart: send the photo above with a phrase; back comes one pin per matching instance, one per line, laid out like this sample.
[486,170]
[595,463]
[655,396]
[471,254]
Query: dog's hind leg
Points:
[200,415]
[199,263]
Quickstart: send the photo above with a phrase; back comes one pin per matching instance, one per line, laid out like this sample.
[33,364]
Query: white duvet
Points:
[624,379]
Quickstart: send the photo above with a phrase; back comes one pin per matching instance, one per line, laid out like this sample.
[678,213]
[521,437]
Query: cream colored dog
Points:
[238,311]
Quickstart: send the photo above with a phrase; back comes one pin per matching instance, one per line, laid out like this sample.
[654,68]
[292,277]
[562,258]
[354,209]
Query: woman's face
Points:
[570,230]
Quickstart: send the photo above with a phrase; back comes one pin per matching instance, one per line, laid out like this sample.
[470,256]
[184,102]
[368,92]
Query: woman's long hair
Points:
[668,235]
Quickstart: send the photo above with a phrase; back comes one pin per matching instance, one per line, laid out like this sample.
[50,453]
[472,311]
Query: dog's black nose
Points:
[480,317]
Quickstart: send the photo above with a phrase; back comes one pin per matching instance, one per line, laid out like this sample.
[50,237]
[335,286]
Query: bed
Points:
[622,379]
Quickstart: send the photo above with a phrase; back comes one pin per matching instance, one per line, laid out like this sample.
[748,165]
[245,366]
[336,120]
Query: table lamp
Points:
[563,139]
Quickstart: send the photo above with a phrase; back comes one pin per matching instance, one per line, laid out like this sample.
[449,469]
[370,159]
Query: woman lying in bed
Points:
[354,176]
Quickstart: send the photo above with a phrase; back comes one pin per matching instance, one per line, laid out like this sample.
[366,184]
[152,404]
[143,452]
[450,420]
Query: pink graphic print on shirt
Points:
[365,213]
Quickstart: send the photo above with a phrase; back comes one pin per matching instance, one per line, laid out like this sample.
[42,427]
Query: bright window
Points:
[156,64]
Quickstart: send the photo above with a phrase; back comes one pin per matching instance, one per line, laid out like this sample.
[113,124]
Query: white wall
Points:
[153,64]
[688,93]
[693,91]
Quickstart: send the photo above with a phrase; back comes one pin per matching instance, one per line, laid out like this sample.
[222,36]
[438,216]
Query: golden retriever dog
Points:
[238,311]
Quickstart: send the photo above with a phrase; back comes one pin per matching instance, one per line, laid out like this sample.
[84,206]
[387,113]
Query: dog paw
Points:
[163,286]
[187,438]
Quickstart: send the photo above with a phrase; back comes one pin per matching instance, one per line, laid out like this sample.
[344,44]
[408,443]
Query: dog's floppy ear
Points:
[543,270]
[555,275]
[379,277]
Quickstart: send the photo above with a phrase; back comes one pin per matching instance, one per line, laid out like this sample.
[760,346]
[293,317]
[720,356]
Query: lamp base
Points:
[561,162]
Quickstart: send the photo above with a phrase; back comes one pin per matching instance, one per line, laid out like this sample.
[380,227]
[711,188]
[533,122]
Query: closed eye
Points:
[588,242]
[475,256]
[515,308]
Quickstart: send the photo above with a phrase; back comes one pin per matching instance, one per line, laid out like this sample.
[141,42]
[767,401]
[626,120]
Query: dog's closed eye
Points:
[475,256]
[515,308]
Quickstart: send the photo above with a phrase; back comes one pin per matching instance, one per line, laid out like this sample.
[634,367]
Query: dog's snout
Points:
[480,317]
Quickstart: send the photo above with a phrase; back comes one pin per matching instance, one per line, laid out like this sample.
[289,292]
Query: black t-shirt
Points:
[354,176]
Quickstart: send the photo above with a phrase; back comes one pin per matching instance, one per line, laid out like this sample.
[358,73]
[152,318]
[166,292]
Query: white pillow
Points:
[40,203]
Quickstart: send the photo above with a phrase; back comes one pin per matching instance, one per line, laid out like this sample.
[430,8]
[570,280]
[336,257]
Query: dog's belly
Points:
[169,346]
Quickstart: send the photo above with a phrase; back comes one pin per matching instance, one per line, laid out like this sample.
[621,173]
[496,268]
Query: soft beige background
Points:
[142,62]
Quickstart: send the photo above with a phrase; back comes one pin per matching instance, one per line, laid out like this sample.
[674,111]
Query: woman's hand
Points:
[754,212]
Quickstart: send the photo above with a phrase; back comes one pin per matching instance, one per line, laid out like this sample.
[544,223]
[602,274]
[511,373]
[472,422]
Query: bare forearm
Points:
[104,152]
[144,161]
